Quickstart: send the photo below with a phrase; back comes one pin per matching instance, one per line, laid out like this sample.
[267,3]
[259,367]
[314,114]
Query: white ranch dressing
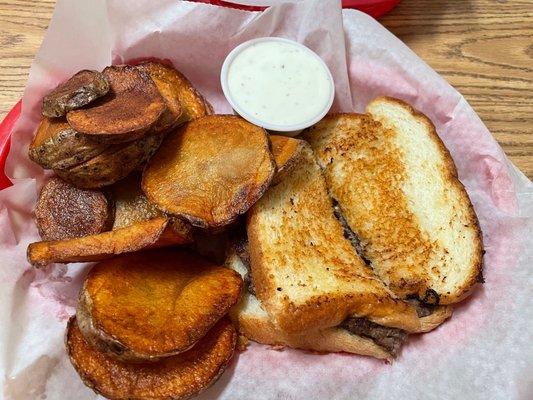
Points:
[279,83]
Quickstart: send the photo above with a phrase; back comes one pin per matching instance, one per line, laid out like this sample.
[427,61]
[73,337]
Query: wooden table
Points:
[482,47]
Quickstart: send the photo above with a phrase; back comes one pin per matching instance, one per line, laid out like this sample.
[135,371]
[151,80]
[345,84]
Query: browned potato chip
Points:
[154,304]
[115,163]
[131,204]
[80,90]
[65,212]
[210,171]
[57,146]
[193,104]
[177,377]
[133,106]
[286,151]
[147,234]
[165,78]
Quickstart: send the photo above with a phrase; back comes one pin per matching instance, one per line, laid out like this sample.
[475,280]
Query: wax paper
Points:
[483,352]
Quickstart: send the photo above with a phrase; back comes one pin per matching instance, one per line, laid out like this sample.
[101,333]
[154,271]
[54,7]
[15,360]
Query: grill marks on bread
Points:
[382,213]
[397,187]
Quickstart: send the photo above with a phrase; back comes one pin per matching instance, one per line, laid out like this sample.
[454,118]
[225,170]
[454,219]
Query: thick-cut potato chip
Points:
[57,146]
[210,171]
[80,90]
[65,212]
[154,304]
[193,104]
[286,151]
[165,79]
[157,232]
[177,377]
[131,204]
[115,163]
[132,107]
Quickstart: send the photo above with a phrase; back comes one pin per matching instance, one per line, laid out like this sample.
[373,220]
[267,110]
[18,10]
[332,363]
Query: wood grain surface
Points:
[482,47]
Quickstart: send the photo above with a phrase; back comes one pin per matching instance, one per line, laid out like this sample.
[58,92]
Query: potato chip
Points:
[127,113]
[156,232]
[80,90]
[177,377]
[210,171]
[286,151]
[65,212]
[154,304]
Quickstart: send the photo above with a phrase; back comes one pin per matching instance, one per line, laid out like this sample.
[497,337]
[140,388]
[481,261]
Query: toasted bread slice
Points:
[112,165]
[286,151]
[154,233]
[167,80]
[132,108]
[65,212]
[305,273]
[397,188]
[254,323]
[210,171]
[149,305]
[131,204]
[177,377]
[57,146]
[80,90]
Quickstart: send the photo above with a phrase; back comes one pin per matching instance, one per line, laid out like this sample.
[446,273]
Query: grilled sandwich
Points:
[397,189]
[307,276]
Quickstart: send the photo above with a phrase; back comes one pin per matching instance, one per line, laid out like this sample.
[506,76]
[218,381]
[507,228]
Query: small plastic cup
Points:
[288,130]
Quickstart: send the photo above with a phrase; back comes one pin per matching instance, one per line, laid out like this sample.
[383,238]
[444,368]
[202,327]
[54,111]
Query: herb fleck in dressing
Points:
[279,83]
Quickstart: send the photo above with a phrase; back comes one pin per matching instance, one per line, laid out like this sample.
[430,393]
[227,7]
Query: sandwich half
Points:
[306,274]
[354,335]
[397,188]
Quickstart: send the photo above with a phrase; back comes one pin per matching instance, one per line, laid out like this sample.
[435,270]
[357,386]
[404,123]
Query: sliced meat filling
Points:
[241,247]
[348,233]
[391,339]
[422,309]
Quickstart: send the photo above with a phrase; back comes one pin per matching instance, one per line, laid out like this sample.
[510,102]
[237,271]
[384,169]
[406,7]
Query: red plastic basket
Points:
[375,8]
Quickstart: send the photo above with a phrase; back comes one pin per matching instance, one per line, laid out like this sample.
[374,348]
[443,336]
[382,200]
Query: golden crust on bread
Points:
[397,187]
[301,283]
[210,170]
[178,377]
